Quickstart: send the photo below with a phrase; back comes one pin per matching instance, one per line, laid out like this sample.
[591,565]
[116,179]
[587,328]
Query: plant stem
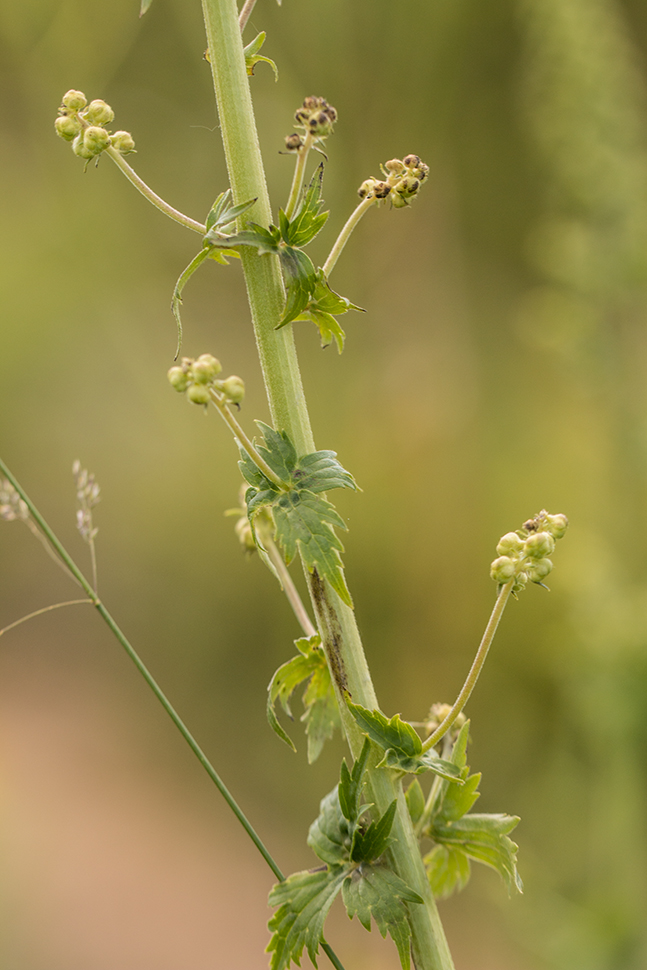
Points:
[475,669]
[143,670]
[289,588]
[44,609]
[146,191]
[220,403]
[344,235]
[336,621]
[246,10]
[299,173]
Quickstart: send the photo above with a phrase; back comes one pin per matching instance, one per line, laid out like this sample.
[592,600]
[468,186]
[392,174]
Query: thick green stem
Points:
[287,404]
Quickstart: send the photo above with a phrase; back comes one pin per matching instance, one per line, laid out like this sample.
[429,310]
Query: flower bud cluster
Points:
[85,126]
[197,378]
[316,117]
[401,182]
[523,555]
[437,714]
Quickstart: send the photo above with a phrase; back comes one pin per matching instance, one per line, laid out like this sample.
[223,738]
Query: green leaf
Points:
[321,715]
[480,837]
[351,784]
[222,214]
[402,745]
[331,834]
[415,801]
[448,870]
[320,471]
[304,900]
[323,303]
[252,56]
[305,521]
[259,238]
[372,843]
[375,891]
[307,221]
[300,279]
[176,302]
[278,451]
[394,733]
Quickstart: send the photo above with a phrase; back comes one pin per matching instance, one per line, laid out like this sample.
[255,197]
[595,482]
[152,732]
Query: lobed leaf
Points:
[371,844]
[352,782]
[394,733]
[305,521]
[320,471]
[307,221]
[330,835]
[252,57]
[304,900]
[278,451]
[377,892]
[448,870]
[300,279]
[415,801]
[483,838]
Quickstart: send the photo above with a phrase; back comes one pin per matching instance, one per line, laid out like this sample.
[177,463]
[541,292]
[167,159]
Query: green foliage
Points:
[415,801]
[303,520]
[402,745]
[460,837]
[252,57]
[352,852]
[377,892]
[321,714]
[308,295]
[303,900]
[221,215]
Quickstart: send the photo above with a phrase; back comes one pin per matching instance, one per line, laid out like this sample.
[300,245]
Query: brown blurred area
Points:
[501,368]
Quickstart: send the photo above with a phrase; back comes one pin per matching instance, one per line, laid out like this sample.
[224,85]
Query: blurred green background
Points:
[501,368]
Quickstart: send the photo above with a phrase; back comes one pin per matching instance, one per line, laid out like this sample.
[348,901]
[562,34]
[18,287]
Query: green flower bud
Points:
[510,544]
[67,126]
[99,113]
[78,147]
[520,581]
[198,394]
[234,389]
[502,570]
[539,544]
[123,141]
[205,369]
[95,140]
[178,378]
[556,525]
[74,100]
[539,570]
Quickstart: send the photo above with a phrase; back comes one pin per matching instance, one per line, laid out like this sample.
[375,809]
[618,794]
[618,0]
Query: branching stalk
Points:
[336,621]
[475,669]
[220,401]
[299,174]
[44,609]
[289,588]
[245,12]
[345,234]
[148,193]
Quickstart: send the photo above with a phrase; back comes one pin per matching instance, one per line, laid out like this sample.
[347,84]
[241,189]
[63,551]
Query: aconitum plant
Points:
[397,831]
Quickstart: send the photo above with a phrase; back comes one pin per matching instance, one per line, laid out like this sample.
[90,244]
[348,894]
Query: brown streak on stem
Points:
[331,635]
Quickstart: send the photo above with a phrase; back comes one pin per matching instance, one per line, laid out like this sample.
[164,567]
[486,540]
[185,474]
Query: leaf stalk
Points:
[345,234]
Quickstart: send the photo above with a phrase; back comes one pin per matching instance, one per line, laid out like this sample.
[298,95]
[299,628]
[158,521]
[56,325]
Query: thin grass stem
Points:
[44,609]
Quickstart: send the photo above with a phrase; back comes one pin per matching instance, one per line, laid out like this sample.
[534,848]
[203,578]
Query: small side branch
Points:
[220,402]
[44,609]
[475,669]
[345,234]
[148,193]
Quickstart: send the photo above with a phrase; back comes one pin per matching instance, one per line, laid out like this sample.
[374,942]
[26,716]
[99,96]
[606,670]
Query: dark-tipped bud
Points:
[293,142]
[411,161]
[381,190]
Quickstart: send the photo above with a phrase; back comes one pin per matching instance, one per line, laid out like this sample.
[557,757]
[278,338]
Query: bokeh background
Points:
[501,368]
